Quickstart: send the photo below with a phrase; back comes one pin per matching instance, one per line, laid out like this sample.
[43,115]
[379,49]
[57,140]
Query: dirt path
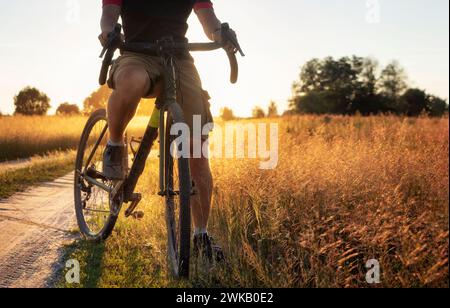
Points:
[33,227]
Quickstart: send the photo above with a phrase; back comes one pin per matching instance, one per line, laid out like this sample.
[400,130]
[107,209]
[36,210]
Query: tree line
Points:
[344,86]
[351,85]
[31,101]
[227,114]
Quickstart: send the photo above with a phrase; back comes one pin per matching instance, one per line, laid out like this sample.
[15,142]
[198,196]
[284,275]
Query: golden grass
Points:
[346,190]
[23,137]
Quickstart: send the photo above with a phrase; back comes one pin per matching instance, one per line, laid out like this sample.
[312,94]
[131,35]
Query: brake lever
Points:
[231,38]
[112,38]
[104,50]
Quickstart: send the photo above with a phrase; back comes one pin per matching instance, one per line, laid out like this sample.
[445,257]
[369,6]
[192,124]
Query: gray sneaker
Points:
[113,167]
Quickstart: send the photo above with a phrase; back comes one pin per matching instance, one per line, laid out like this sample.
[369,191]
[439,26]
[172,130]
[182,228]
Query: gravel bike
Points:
[98,200]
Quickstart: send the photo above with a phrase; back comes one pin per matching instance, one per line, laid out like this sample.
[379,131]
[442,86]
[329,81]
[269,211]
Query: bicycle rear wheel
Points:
[96,212]
[177,197]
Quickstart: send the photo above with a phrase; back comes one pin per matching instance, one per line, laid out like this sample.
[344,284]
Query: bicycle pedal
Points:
[135,200]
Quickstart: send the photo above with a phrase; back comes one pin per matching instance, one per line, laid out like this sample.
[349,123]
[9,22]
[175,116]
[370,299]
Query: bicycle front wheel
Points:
[177,196]
[96,212]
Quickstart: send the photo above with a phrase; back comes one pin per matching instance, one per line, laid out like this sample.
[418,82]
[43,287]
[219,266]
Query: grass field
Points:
[346,190]
[23,137]
[43,148]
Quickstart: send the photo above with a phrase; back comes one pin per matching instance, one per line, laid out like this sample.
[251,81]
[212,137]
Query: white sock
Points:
[115,144]
[200,231]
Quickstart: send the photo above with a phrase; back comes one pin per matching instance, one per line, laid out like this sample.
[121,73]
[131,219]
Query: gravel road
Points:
[34,226]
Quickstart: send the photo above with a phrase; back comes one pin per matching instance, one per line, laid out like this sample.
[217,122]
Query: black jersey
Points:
[150,20]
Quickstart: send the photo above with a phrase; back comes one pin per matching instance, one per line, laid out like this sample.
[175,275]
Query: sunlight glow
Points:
[52,44]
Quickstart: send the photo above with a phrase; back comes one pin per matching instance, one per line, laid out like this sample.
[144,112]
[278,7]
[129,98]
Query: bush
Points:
[31,101]
[68,109]
[227,114]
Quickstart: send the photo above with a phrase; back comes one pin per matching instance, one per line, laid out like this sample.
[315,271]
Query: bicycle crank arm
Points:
[135,200]
[98,184]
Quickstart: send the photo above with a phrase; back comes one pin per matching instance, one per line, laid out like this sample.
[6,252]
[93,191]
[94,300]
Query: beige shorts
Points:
[190,95]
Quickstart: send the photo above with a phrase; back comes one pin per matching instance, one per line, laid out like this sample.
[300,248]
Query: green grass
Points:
[135,254]
[40,170]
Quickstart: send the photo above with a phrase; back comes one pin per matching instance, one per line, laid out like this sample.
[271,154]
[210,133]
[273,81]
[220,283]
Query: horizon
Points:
[59,54]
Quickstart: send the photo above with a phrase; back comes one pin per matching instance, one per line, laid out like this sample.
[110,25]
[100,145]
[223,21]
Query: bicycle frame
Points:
[156,128]
[166,100]
[167,112]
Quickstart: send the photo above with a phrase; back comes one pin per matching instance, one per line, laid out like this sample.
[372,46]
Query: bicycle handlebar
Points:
[167,46]
[114,42]
[194,47]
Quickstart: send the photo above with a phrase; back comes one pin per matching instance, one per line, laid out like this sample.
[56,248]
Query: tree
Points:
[352,85]
[392,81]
[336,80]
[68,109]
[98,99]
[30,101]
[413,102]
[258,113]
[315,103]
[367,100]
[309,80]
[436,107]
[368,76]
[273,110]
[227,114]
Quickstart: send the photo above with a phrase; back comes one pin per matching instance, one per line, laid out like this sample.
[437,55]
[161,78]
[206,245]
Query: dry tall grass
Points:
[346,190]
[23,137]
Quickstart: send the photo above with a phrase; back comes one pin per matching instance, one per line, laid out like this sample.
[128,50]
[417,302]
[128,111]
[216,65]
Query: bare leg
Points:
[201,202]
[131,84]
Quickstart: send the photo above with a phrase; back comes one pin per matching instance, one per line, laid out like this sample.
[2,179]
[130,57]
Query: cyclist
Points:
[135,76]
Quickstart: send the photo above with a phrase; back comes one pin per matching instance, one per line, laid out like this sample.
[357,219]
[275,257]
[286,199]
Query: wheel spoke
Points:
[96,211]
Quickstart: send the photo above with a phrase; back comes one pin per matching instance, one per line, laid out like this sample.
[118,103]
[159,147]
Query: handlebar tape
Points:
[234,67]
[114,41]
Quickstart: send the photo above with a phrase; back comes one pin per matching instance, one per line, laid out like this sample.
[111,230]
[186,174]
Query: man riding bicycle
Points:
[135,76]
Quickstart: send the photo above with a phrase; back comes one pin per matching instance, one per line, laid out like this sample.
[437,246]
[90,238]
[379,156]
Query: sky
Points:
[52,45]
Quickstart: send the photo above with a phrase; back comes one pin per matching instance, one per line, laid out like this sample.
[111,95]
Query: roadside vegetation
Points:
[34,171]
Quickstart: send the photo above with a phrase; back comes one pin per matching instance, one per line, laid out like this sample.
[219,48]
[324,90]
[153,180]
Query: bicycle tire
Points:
[179,231]
[105,232]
